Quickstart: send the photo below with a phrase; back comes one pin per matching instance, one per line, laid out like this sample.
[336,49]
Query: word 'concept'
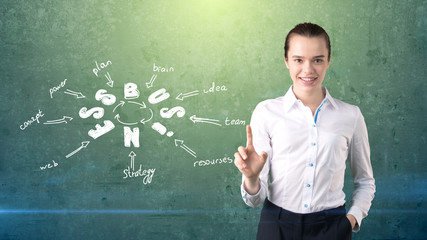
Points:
[33,119]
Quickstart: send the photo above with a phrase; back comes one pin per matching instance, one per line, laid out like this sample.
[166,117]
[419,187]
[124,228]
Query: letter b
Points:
[131,91]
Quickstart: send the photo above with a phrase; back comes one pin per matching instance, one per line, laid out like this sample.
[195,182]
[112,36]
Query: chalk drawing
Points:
[48,166]
[143,121]
[83,145]
[181,96]
[59,121]
[33,119]
[146,174]
[117,117]
[55,89]
[77,94]
[161,129]
[101,130]
[181,144]
[236,122]
[205,120]
[162,69]
[131,91]
[104,97]
[214,88]
[131,136]
[158,96]
[97,112]
[110,81]
[151,82]
[100,66]
[204,163]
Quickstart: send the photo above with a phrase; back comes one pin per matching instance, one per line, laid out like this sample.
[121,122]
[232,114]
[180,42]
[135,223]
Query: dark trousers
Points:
[278,223]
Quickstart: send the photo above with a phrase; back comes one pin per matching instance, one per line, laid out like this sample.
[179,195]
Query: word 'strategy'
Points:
[146,174]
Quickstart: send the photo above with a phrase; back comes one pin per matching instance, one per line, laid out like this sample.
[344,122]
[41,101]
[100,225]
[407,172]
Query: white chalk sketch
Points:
[119,105]
[97,112]
[110,81]
[101,130]
[59,121]
[162,69]
[100,66]
[33,119]
[106,98]
[47,166]
[161,129]
[131,136]
[181,144]
[142,105]
[54,89]
[77,94]
[131,91]
[146,174]
[205,120]
[83,145]
[143,121]
[181,96]
[151,82]
[166,113]
[117,117]
[158,96]
[214,88]
[132,160]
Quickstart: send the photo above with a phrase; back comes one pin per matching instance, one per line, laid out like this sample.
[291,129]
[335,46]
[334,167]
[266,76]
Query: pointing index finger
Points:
[248,136]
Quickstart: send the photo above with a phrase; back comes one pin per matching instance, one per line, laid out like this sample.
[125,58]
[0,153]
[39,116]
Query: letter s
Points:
[106,99]
[166,113]
[98,112]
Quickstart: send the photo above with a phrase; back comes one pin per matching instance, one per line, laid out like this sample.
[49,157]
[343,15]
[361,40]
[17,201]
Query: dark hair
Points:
[308,30]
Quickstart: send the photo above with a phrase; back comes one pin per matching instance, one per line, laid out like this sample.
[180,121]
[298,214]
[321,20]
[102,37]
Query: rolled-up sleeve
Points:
[361,168]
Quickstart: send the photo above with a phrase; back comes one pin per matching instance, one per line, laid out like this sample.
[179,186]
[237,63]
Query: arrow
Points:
[84,145]
[120,104]
[140,104]
[143,121]
[132,160]
[110,81]
[204,120]
[58,121]
[150,84]
[117,117]
[183,146]
[77,94]
[181,96]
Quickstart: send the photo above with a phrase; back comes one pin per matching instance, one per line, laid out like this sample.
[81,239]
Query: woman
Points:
[297,147]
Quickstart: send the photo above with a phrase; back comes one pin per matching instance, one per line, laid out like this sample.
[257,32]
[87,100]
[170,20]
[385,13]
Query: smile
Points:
[308,79]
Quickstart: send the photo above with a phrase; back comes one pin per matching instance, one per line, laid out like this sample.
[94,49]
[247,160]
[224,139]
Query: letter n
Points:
[131,136]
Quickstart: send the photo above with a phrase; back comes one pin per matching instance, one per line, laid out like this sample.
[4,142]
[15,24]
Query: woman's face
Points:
[307,63]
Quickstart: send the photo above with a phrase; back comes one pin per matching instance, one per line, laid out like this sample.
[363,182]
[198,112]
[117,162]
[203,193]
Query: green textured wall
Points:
[378,63]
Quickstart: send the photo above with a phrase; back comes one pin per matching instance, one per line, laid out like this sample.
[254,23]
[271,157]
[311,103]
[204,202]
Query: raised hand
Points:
[250,163]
